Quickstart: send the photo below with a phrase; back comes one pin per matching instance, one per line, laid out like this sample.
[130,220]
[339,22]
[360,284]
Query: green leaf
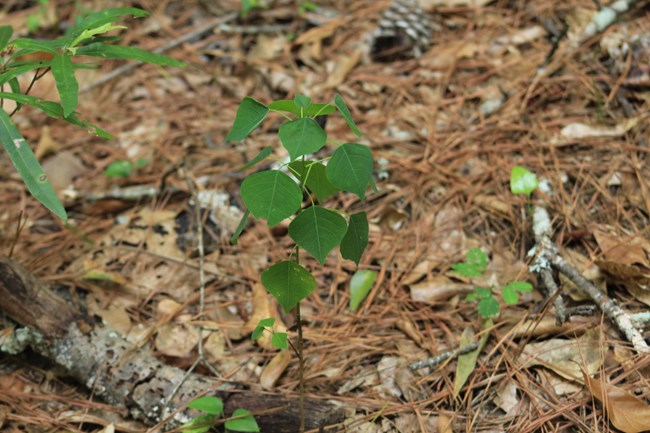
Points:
[350,168]
[318,231]
[289,283]
[302,101]
[204,423]
[488,307]
[66,83]
[522,181]
[240,227]
[479,293]
[509,291]
[105,51]
[208,403]
[259,329]
[509,295]
[5,35]
[520,286]
[29,169]
[279,340]
[360,285]
[340,104]
[35,45]
[249,116]
[16,70]
[467,362]
[474,266]
[271,195]
[260,156]
[356,238]
[89,33]
[317,181]
[245,424]
[119,168]
[100,18]
[15,88]
[248,5]
[289,105]
[302,137]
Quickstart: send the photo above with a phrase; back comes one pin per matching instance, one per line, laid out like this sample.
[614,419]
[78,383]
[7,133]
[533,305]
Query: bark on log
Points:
[128,377]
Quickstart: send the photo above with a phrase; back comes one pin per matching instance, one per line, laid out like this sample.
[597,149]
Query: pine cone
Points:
[404,32]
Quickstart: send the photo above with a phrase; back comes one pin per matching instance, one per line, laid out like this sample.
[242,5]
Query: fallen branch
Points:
[548,256]
[128,377]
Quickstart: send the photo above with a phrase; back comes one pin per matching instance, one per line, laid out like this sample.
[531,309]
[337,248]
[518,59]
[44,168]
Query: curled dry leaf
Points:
[274,369]
[436,289]
[627,412]
[567,358]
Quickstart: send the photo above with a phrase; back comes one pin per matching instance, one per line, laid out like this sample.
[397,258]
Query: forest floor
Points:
[445,128]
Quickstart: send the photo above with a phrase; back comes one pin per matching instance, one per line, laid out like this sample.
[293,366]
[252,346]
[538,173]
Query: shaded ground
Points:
[445,128]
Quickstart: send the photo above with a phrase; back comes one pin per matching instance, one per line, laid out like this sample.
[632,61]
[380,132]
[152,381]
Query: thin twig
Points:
[202,282]
[548,255]
[434,361]
[605,303]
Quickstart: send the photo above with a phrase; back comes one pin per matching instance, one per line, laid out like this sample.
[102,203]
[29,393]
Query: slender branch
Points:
[301,359]
[548,255]
[605,303]
[434,361]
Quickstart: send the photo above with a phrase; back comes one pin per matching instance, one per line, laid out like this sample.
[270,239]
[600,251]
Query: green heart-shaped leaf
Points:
[350,168]
[302,137]
[272,195]
[356,238]
[318,231]
[289,283]
[249,116]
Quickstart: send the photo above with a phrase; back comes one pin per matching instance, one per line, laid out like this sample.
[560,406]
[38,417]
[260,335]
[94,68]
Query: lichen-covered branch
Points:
[130,377]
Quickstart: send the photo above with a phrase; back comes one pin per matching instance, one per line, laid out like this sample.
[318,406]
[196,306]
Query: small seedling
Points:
[275,196]
[278,339]
[87,38]
[212,408]
[522,181]
[475,265]
[123,168]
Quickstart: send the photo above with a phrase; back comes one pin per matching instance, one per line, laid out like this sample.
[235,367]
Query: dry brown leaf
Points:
[343,65]
[567,358]
[580,130]
[620,247]
[215,346]
[117,317]
[445,423]
[627,412]
[506,398]
[176,339]
[62,169]
[437,288]
[274,369]
[267,47]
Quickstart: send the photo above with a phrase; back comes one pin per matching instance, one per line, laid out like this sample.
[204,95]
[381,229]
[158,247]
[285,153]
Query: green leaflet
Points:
[28,167]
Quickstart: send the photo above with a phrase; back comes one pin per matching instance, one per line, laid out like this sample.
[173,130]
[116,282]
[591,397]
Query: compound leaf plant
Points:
[86,38]
[298,190]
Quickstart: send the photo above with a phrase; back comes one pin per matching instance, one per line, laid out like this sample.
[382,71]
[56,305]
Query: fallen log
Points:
[129,377]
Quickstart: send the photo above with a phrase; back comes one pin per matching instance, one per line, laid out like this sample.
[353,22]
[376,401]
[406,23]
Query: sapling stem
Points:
[301,361]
